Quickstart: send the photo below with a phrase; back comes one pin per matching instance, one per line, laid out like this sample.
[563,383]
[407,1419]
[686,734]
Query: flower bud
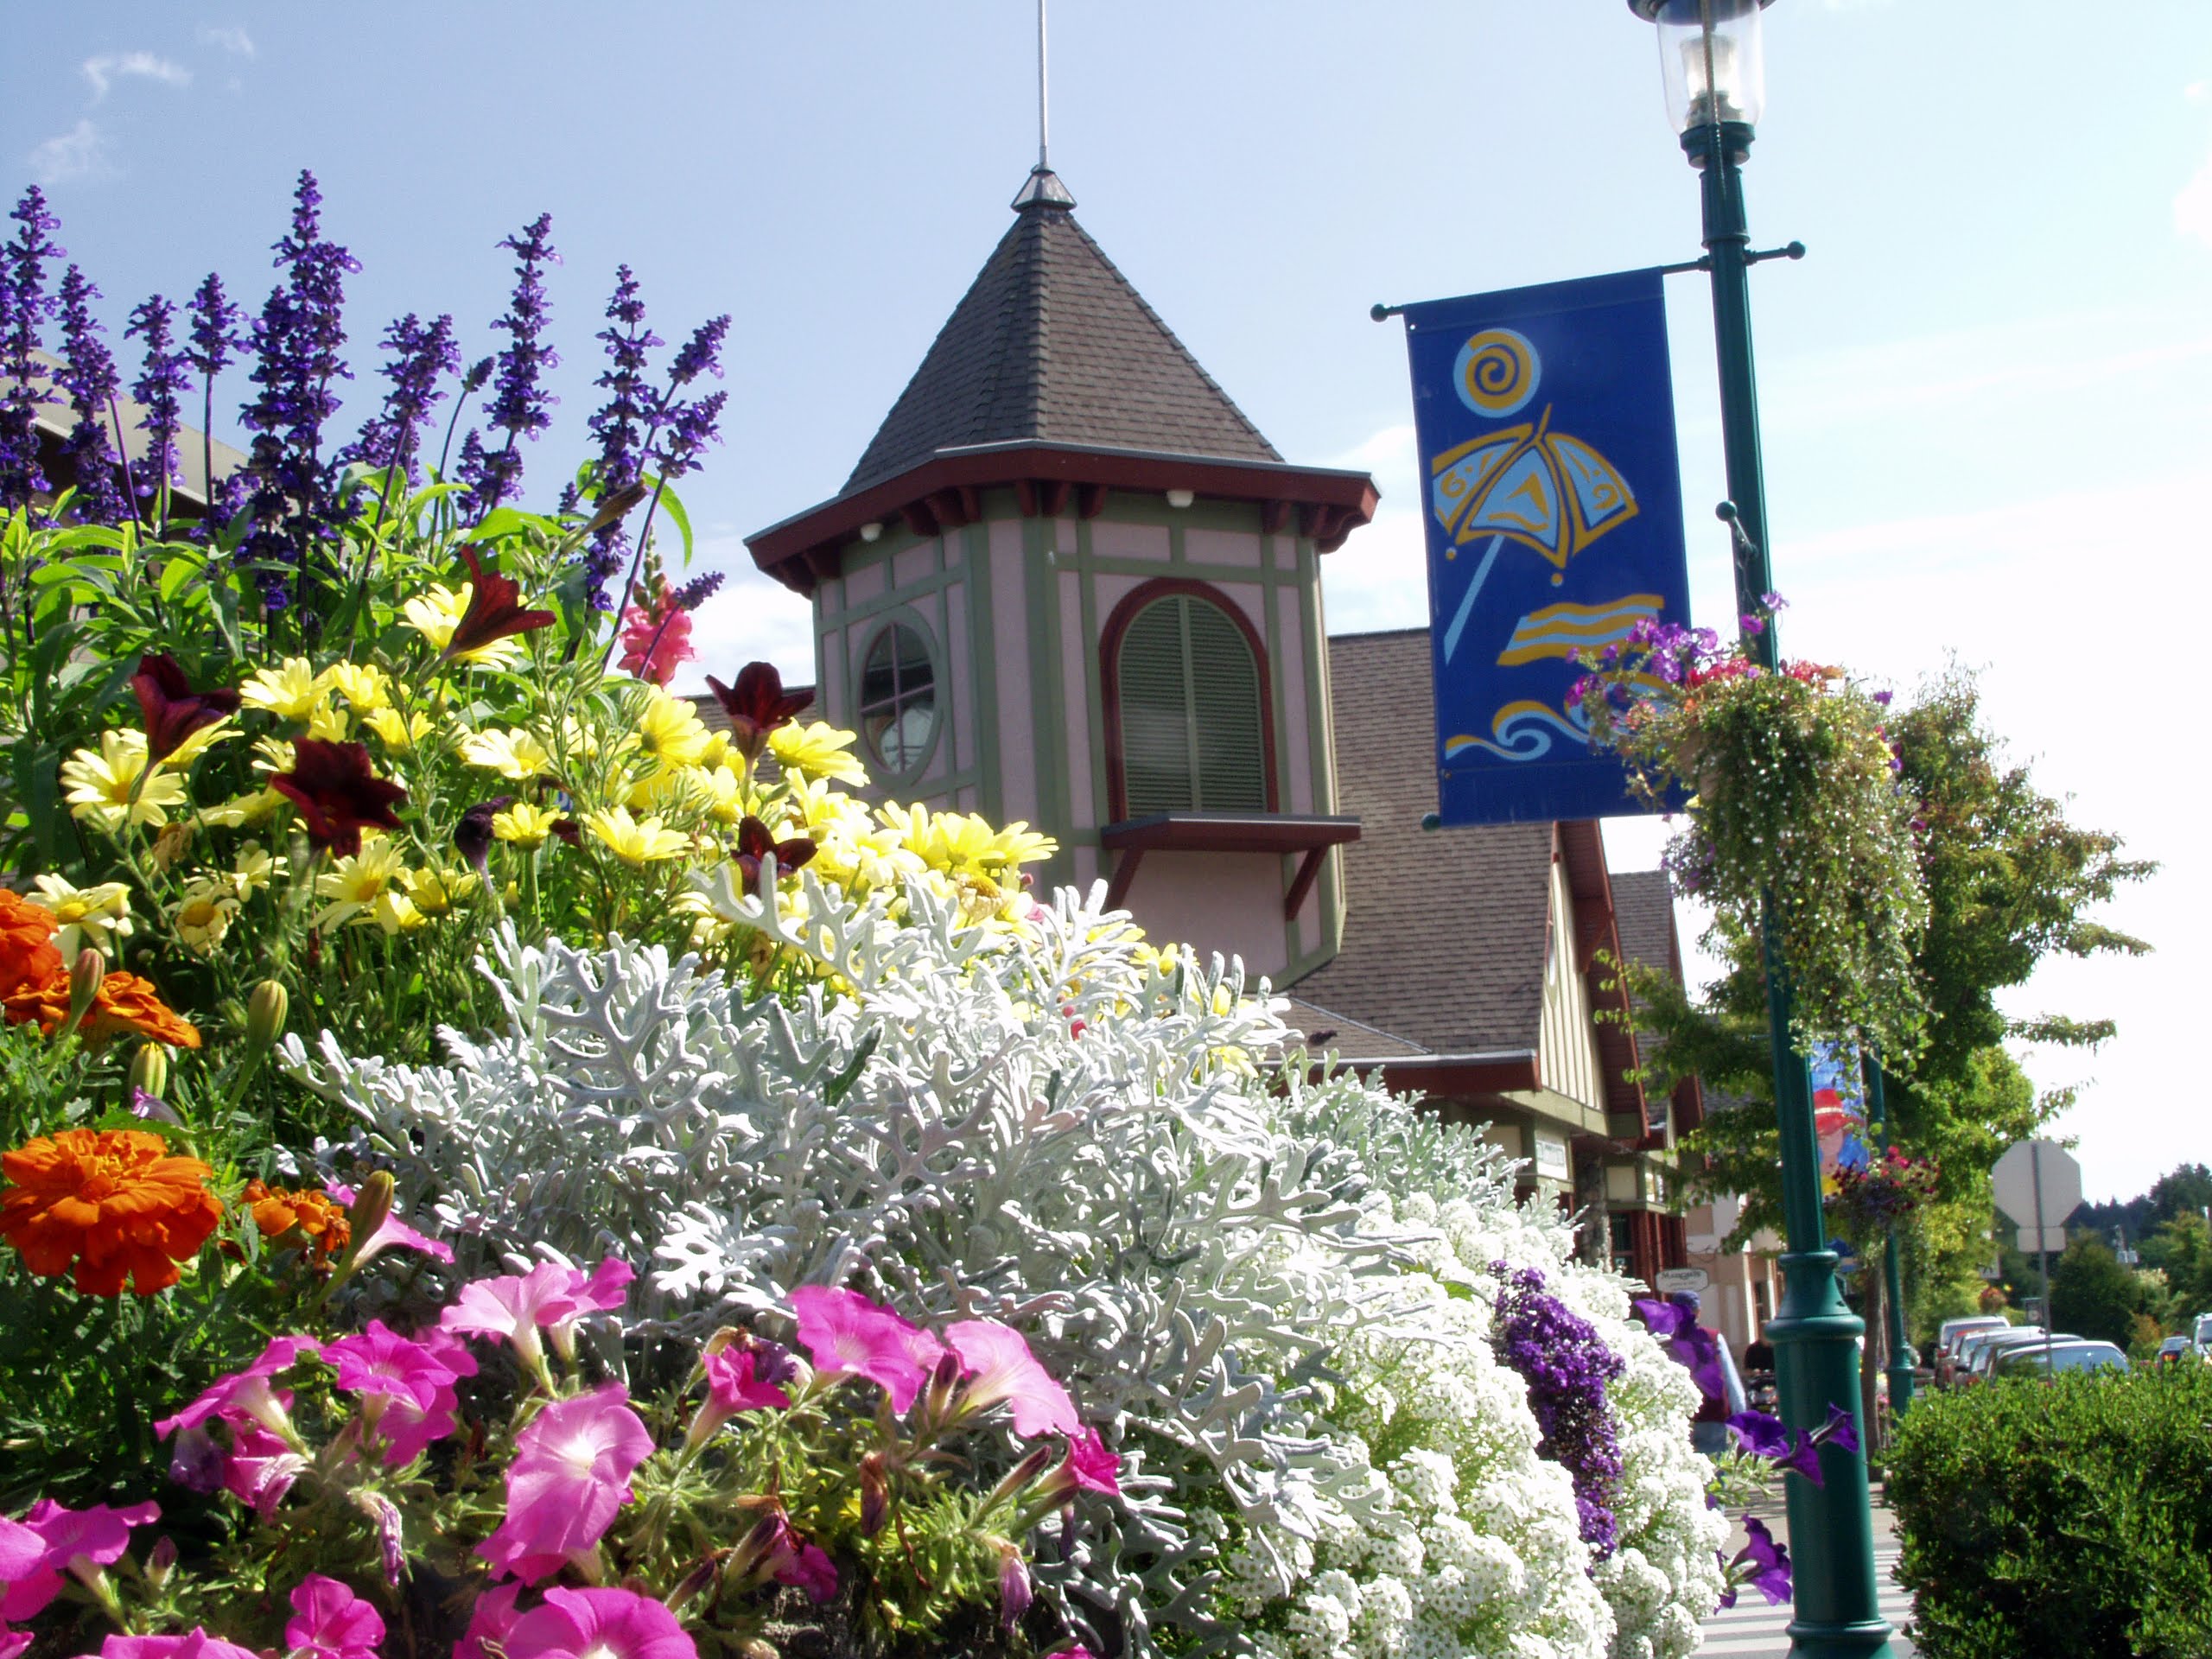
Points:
[1016,1593]
[265,1012]
[161,1561]
[692,1583]
[876,1493]
[371,1208]
[85,977]
[149,1069]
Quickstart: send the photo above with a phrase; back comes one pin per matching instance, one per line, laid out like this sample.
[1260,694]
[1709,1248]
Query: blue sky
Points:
[1986,396]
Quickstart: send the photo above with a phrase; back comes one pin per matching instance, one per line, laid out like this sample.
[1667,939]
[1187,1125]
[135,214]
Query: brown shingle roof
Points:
[1051,343]
[1644,910]
[1445,930]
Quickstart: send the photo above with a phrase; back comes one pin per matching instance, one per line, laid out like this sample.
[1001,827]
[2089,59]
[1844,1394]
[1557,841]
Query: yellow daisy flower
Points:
[395,914]
[99,785]
[435,893]
[328,722]
[398,731]
[524,825]
[435,615]
[364,685]
[636,845]
[98,916]
[199,742]
[511,754]
[816,751]
[274,755]
[254,868]
[289,691]
[670,727]
[204,915]
[354,884]
[242,809]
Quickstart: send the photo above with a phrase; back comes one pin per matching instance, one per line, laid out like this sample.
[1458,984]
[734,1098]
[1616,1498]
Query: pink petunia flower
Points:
[1090,1467]
[83,1541]
[14,1644]
[490,1623]
[999,1366]
[734,1384]
[261,1466]
[848,1335]
[330,1622]
[598,1624]
[244,1395]
[551,1296]
[382,1364]
[195,1643]
[773,1552]
[26,1581]
[569,1479]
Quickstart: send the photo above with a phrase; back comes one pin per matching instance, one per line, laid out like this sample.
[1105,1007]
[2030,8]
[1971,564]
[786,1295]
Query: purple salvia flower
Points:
[1567,1366]
[694,592]
[422,354]
[473,466]
[88,376]
[701,353]
[518,401]
[24,305]
[216,340]
[160,391]
[296,341]
[620,426]
[689,428]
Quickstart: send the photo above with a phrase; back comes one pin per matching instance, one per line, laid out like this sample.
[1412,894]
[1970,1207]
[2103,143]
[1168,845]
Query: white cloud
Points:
[79,153]
[754,618]
[2193,207]
[236,41]
[106,70]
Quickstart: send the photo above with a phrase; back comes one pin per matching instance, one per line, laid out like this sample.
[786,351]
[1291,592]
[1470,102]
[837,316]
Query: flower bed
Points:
[495,1167]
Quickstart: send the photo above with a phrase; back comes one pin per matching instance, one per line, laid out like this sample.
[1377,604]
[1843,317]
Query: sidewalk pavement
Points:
[1752,1629]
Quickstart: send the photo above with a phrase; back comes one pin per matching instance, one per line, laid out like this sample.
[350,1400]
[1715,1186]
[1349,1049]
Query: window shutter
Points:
[1191,729]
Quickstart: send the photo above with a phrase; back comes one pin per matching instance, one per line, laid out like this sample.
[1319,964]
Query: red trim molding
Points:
[945,491]
[1109,678]
[1226,832]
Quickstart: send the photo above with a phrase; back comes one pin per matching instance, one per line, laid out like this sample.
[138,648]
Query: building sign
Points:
[1551,1156]
[1552,501]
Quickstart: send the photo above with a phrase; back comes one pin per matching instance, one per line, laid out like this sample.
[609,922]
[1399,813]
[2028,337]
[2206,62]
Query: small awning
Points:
[1310,834]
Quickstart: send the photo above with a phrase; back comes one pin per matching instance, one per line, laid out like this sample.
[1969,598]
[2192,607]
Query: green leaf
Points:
[672,505]
[180,568]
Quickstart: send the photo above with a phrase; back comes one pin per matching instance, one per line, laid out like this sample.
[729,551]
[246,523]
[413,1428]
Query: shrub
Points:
[2083,1505]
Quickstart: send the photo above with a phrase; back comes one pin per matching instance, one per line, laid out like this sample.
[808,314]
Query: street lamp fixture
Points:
[1711,58]
[1709,52]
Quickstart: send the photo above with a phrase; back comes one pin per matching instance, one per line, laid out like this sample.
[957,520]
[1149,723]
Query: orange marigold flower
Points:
[125,1003]
[320,1219]
[28,955]
[113,1203]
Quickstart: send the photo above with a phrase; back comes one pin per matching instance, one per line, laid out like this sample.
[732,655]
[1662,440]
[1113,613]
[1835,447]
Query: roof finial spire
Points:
[1043,188]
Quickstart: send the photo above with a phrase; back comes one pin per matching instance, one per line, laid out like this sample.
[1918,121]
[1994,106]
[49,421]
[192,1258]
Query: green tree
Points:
[2182,1249]
[2011,881]
[2091,1294]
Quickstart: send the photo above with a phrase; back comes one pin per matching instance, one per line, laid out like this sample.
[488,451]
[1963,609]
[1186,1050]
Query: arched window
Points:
[898,700]
[1188,690]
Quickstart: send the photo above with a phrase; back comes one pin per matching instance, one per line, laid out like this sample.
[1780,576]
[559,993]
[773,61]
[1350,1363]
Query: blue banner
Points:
[1552,497]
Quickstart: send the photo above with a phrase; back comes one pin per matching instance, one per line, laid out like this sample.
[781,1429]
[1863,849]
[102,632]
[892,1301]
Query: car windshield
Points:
[2080,1357]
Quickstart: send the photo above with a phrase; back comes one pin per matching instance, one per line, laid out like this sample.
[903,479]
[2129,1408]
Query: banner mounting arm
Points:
[1382,313]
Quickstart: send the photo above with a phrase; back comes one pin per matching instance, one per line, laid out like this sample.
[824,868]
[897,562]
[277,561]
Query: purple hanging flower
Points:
[1763,1562]
[422,354]
[24,305]
[88,376]
[160,391]
[1567,1367]
[296,341]
[518,401]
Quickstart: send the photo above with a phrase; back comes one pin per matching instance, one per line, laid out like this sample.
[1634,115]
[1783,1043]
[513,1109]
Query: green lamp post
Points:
[1709,52]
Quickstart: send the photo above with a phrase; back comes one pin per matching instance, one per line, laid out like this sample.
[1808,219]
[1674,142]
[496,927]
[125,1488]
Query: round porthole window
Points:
[897,705]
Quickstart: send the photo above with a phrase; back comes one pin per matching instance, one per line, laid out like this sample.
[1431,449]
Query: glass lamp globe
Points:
[1711,58]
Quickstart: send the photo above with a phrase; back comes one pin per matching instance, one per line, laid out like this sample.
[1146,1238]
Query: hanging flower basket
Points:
[1868,1200]
[1795,814]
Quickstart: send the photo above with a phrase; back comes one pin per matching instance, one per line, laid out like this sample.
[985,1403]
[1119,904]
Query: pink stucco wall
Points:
[1226,902]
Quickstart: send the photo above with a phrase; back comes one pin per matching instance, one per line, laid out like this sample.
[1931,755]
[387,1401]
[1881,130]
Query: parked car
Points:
[1987,1352]
[2173,1351]
[1952,1332]
[2203,1334]
[2030,1358]
[1972,1342]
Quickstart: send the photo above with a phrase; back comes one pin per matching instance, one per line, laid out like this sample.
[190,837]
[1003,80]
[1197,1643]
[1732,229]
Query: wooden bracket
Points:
[1125,872]
[1309,868]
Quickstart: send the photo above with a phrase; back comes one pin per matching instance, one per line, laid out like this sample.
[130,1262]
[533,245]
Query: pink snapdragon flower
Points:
[598,1624]
[848,1335]
[195,1643]
[490,1623]
[330,1621]
[998,1366]
[551,1296]
[569,1479]
[28,1582]
[244,1396]
[656,642]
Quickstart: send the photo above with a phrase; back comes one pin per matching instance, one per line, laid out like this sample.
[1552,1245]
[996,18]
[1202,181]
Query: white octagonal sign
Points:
[2015,1179]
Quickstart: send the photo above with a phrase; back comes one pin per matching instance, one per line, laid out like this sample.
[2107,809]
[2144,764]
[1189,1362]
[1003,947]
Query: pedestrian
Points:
[1709,1427]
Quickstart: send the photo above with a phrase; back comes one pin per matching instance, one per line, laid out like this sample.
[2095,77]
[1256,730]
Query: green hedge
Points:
[2072,1518]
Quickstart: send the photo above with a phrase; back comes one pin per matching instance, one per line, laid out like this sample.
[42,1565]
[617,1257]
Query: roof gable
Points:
[1052,344]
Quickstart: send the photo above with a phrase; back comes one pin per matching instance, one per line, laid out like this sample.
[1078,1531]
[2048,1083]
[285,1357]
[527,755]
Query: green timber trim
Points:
[1041,586]
[1093,689]
[983,669]
[1271,631]
[1321,736]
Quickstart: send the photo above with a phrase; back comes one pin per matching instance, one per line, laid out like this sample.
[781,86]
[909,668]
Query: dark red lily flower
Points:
[472,836]
[494,613]
[174,711]
[337,794]
[755,842]
[756,705]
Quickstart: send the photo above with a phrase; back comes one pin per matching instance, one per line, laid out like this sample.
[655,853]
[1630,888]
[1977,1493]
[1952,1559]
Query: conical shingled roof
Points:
[1052,345]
